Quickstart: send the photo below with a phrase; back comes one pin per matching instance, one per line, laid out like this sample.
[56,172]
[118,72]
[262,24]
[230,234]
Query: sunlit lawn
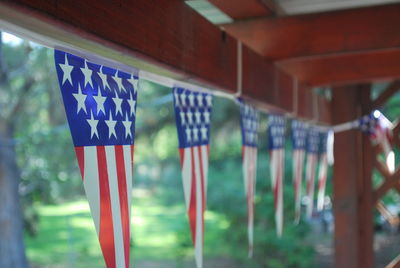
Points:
[67,237]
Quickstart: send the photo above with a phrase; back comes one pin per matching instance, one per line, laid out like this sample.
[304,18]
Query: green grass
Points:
[67,237]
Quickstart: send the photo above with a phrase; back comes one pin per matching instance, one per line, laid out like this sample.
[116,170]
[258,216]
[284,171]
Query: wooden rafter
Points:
[349,68]
[239,9]
[337,32]
[385,95]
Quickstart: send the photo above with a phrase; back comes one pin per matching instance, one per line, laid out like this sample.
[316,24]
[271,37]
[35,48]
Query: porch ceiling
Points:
[358,42]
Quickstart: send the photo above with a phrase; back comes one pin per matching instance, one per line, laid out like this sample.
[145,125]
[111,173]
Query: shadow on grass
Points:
[160,235]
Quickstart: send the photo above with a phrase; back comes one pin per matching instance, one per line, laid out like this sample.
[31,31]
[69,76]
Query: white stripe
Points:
[129,177]
[198,247]
[253,165]
[115,207]
[91,183]
[187,175]
[310,179]
[245,168]
[204,156]
[279,216]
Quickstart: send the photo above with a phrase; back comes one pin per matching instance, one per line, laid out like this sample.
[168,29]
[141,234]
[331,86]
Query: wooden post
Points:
[352,191]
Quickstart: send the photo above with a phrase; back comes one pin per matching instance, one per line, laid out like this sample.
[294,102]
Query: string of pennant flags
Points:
[100,101]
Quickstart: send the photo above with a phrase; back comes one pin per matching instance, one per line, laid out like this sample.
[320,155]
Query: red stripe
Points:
[202,189]
[106,233]
[182,154]
[192,205]
[80,156]
[123,199]
[312,176]
[296,172]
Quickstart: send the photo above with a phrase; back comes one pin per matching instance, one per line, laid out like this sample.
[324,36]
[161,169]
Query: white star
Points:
[80,98]
[188,136]
[207,117]
[103,78]
[88,75]
[119,84]
[195,134]
[203,131]
[134,82]
[100,103]
[183,121]
[127,125]
[111,126]
[66,69]
[132,104]
[190,117]
[209,100]
[183,99]
[200,100]
[197,114]
[176,99]
[93,126]
[191,99]
[118,103]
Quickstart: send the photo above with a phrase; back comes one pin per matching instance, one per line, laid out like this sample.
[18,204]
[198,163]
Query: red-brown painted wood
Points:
[345,31]
[365,189]
[239,9]
[352,184]
[170,35]
[346,68]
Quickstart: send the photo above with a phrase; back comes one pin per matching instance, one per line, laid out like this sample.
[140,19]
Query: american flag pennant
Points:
[192,113]
[323,169]
[249,127]
[312,159]
[299,135]
[379,129]
[276,144]
[100,103]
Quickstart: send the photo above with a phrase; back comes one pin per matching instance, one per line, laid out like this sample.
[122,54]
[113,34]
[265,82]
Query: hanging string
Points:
[170,82]
[239,70]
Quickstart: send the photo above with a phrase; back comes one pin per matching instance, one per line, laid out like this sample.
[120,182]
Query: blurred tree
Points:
[30,121]
[16,84]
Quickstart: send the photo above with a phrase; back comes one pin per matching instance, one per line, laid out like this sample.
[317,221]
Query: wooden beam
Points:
[239,9]
[392,219]
[395,263]
[165,37]
[346,68]
[396,133]
[389,183]
[365,189]
[385,95]
[352,198]
[338,32]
